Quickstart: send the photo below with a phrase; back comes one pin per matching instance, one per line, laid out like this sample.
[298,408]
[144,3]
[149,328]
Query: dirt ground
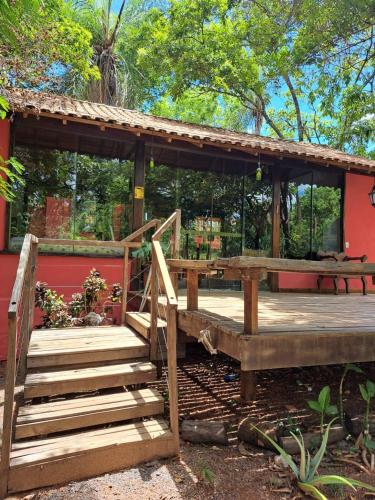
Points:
[219,472]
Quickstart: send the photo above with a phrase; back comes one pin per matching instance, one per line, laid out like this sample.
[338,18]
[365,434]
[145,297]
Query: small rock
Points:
[154,463]
[280,462]
[92,319]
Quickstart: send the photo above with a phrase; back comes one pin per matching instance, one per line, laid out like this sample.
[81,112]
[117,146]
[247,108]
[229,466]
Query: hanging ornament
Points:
[152,161]
[258,173]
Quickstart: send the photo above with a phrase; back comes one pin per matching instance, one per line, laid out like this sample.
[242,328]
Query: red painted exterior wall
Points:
[4,152]
[64,274]
[359,232]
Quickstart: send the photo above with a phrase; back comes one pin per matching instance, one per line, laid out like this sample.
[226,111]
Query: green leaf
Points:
[332,479]
[288,459]
[363,392]
[315,461]
[314,405]
[331,410]
[370,387]
[324,397]
[354,368]
[302,466]
[360,484]
[311,490]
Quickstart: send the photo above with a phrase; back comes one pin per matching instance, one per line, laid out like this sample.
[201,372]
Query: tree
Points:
[303,67]
[39,42]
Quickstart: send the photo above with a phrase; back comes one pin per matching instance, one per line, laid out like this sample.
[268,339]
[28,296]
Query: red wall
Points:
[62,273]
[359,233]
[4,152]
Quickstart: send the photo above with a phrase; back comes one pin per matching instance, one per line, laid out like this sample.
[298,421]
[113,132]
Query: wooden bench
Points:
[341,257]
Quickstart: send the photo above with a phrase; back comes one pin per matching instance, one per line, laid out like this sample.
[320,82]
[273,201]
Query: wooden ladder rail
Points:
[160,272]
[20,324]
[134,237]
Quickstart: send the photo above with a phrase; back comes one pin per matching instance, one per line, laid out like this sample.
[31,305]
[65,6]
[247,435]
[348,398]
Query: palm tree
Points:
[115,84]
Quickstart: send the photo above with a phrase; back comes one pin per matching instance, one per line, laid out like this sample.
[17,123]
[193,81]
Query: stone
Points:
[93,319]
[248,434]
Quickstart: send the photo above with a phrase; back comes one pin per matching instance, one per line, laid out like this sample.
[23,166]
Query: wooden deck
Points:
[294,329]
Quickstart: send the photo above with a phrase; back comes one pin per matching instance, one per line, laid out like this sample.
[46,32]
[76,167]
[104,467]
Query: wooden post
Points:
[248,384]
[175,250]
[250,288]
[139,183]
[192,289]
[154,307]
[276,221]
[172,372]
[125,285]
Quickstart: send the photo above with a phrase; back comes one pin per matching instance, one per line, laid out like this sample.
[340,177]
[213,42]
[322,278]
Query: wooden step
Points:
[88,379]
[72,346]
[68,414]
[141,322]
[60,459]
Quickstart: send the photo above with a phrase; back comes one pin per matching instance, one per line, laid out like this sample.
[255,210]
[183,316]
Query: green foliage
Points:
[40,41]
[10,174]
[55,310]
[306,473]
[367,391]
[57,313]
[315,56]
[323,406]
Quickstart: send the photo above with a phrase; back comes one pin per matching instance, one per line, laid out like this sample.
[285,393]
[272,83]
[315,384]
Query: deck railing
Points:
[20,324]
[250,270]
[160,274]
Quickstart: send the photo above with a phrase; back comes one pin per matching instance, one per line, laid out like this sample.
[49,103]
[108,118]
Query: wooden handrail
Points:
[139,232]
[20,323]
[160,271]
[90,243]
[164,274]
[295,266]
[127,243]
[276,265]
[167,224]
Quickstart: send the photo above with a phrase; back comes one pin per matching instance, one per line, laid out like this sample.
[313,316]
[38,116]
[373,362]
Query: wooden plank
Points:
[166,225]
[164,274]
[296,266]
[94,356]
[250,289]
[192,289]
[172,372]
[200,265]
[141,447]
[141,322]
[49,418]
[88,379]
[89,243]
[281,351]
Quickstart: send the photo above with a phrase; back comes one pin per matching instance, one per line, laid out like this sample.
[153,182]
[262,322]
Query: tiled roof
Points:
[62,106]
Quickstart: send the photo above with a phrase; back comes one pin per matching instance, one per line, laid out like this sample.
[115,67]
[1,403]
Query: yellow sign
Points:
[139,192]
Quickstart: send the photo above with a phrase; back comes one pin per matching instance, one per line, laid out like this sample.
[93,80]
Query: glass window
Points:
[70,196]
[311,214]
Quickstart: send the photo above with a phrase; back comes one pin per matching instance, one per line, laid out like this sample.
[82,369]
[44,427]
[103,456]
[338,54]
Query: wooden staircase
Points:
[78,421]
[85,408]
